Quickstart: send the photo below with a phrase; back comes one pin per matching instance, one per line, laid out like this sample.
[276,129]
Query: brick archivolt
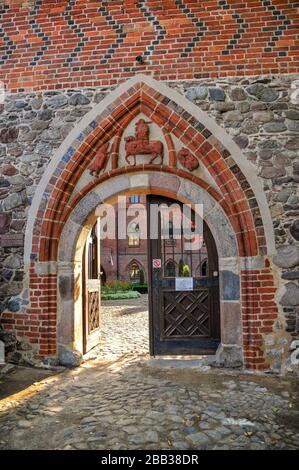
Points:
[236,189]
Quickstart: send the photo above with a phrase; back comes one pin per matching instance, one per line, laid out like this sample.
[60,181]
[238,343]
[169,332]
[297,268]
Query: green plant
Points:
[142,288]
[186,271]
[181,267]
[116,286]
[120,295]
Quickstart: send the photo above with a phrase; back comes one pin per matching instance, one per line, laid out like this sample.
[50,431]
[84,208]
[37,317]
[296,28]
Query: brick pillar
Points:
[259,312]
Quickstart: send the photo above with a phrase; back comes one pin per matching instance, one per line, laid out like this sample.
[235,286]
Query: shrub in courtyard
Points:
[186,271]
[116,286]
[120,295]
[142,288]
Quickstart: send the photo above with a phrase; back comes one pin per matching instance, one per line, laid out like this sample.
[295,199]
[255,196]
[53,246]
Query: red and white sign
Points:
[157,263]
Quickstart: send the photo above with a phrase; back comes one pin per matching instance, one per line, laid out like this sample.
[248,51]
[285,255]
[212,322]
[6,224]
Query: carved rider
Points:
[142,130]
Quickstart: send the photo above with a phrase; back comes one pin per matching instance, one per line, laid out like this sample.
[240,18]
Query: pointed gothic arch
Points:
[66,196]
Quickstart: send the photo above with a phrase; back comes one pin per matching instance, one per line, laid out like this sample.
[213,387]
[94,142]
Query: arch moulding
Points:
[235,207]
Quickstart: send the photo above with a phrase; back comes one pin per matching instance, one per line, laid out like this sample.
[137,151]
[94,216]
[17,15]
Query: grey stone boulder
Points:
[27,136]
[243,107]
[224,106]
[242,141]
[13,262]
[281,160]
[293,143]
[292,114]
[293,126]
[266,154]
[69,358]
[290,275]
[258,106]
[250,127]
[45,115]
[287,256]
[275,126]
[262,92]
[13,305]
[294,229]
[283,195]
[8,135]
[216,94]
[57,101]
[5,220]
[39,125]
[230,356]
[233,116]
[238,94]
[263,116]
[36,103]
[270,172]
[293,202]
[14,200]
[9,340]
[78,99]
[291,296]
[197,93]
[51,135]
[269,144]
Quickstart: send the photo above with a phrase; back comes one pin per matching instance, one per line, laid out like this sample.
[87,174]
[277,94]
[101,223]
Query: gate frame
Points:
[246,246]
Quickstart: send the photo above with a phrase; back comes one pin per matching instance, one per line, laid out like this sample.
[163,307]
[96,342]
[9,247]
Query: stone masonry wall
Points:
[260,113]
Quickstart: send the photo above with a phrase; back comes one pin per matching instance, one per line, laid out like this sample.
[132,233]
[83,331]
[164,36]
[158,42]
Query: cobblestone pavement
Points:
[121,399]
[120,319]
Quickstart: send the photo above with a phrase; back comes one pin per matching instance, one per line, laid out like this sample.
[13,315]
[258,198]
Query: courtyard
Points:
[120,398]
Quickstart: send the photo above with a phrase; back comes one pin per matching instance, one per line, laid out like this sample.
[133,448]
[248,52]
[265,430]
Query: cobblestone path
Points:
[121,399]
[124,328]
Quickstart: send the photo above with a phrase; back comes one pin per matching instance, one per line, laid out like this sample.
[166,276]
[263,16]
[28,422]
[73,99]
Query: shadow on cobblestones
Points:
[122,399]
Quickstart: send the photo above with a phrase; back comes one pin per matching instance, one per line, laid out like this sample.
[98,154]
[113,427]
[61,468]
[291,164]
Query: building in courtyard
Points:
[188,101]
[126,259]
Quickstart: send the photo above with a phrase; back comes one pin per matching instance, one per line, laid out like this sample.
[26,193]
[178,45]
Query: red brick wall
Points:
[259,312]
[49,44]
[38,323]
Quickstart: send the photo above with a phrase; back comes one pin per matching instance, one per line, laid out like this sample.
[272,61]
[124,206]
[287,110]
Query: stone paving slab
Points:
[121,399]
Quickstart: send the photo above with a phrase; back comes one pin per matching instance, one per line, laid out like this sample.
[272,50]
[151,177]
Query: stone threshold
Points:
[198,362]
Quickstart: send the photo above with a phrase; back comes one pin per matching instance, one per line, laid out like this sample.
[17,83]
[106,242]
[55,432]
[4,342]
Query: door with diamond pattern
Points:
[91,290]
[184,290]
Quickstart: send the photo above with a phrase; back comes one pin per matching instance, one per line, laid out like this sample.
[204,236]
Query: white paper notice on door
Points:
[184,283]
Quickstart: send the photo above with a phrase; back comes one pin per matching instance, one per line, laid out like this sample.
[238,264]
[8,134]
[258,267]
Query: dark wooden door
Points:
[183,322]
[91,291]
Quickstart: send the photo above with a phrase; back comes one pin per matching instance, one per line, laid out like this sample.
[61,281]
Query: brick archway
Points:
[230,184]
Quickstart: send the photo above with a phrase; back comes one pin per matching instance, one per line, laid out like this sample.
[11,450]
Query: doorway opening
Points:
[149,294]
[122,280]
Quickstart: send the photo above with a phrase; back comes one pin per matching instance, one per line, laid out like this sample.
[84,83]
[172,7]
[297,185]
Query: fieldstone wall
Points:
[261,114]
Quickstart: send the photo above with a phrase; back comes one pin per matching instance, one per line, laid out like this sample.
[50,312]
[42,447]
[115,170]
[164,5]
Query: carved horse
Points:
[135,147]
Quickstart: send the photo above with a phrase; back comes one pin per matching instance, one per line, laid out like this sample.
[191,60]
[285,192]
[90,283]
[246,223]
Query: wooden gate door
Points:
[184,290]
[91,290]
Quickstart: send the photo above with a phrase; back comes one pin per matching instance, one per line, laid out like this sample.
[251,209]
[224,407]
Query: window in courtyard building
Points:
[133,234]
[204,268]
[169,240]
[134,199]
[134,272]
[170,269]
